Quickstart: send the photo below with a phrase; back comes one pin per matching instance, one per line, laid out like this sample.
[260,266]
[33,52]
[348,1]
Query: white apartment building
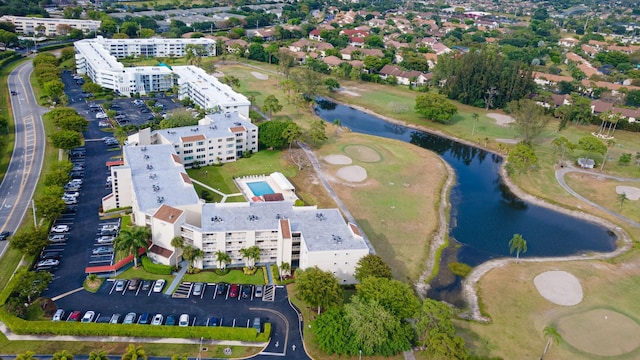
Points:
[95,57]
[218,138]
[50,26]
[154,183]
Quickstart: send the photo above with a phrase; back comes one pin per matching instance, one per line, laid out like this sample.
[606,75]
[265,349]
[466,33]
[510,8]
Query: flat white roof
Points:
[97,55]
[157,178]
[282,181]
[218,127]
[207,84]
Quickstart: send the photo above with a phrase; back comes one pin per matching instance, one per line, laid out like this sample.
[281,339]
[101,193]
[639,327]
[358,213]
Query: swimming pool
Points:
[259,188]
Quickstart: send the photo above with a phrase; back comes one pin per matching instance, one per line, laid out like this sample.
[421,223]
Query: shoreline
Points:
[623,240]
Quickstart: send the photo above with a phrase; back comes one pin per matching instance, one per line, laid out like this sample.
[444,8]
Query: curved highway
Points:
[21,178]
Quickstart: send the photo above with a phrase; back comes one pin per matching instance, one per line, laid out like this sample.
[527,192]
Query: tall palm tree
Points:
[98,355]
[134,353]
[62,355]
[475,118]
[517,244]
[131,240]
[26,356]
[178,243]
[223,259]
[252,254]
[552,335]
[285,269]
[622,198]
[191,254]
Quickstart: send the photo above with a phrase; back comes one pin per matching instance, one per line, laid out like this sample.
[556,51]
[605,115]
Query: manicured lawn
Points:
[140,273]
[233,277]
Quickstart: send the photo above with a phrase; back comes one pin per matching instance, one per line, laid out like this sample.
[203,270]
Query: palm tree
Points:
[622,197]
[191,254]
[252,254]
[517,244]
[26,356]
[62,355]
[552,335]
[223,259]
[475,118]
[178,243]
[134,353]
[285,269]
[131,240]
[98,355]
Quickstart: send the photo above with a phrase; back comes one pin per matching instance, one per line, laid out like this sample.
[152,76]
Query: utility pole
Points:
[33,207]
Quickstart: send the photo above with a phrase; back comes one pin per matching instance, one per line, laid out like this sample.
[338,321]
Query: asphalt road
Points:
[22,175]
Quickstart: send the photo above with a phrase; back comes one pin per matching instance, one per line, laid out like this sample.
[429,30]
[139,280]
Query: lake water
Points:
[484,214]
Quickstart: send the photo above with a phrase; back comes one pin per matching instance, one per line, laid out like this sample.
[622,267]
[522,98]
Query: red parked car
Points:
[75,316]
[233,292]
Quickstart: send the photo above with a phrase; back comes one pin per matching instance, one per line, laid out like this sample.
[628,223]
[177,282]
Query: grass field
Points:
[233,277]
[603,192]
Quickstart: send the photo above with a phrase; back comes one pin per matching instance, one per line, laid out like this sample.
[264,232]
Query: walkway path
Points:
[269,274]
[316,166]
[224,196]
[184,266]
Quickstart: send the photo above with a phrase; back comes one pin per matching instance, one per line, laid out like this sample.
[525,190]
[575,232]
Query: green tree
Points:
[435,107]
[62,355]
[75,123]
[54,89]
[333,333]
[134,353]
[57,177]
[394,296]
[231,80]
[29,355]
[372,265]
[98,355]
[622,198]
[178,118]
[332,84]
[271,134]
[633,97]
[132,239]
[30,242]
[49,206]
[318,288]
[592,145]
[475,118]
[178,243]
[521,158]
[192,254]
[252,254]
[552,335]
[91,87]
[375,330]
[625,159]
[436,332]
[66,139]
[284,269]
[306,82]
[223,259]
[562,144]
[8,38]
[317,131]
[30,284]
[530,119]
[517,244]
[271,105]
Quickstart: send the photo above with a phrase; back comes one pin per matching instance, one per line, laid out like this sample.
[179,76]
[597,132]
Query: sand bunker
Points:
[362,153]
[353,173]
[602,332]
[633,193]
[559,287]
[501,119]
[338,159]
[259,76]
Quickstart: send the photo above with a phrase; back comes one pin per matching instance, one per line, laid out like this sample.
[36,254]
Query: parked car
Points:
[48,262]
[145,319]
[71,194]
[120,285]
[233,292]
[57,238]
[104,319]
[222,288]
[60,228]
[146,285]
[159,285]
[5,235]
[109,227]
[258,292]
[157,319]
[197,289]
[246,291]
[130,318]
[133,284]
[184,320]
[69,201]
[50,255]
[257,324]
[88,317]
[115,318]
[74,316]
[58,316]
[75,181]
[171,320]
[105,239]
[103,250]
[213,321]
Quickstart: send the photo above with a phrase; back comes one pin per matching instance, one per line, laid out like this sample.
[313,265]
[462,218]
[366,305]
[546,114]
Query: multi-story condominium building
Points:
[153,181]
[96,59]
[50,26]
[218,138]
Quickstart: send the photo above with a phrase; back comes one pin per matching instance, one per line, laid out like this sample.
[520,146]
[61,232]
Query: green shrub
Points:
[460,269]
[153,268]
[298,203]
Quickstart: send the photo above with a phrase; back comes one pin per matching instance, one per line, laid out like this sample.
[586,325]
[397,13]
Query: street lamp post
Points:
[200,348]
[360,355]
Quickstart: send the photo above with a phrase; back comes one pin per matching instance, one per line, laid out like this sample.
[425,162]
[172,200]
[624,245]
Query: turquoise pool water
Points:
[259,188]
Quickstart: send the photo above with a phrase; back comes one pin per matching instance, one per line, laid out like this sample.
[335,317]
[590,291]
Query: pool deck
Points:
[241,183]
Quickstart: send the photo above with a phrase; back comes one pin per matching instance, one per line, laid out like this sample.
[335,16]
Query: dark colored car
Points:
[233,292]
[133,284]
[50,255]
[222,288]
[146,285]
[213,321]
[5,235]
[246,291]
[171,320]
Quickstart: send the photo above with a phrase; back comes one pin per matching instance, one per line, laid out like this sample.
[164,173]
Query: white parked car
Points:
[105,239]
[60,228]
[184,320]
[157,320]
[71,194]
[48,262]
[88,317]
[58,316]
[159,285]
[101,116]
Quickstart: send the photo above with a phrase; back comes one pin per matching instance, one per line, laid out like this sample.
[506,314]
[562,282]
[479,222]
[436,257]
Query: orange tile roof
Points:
[354,229]
[176,159]
[186,178]
[236,129]
[286,228]
[192,138]
[168,214]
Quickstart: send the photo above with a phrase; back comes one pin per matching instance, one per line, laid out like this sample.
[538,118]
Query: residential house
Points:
[404,77]
[599,106]
[568,42]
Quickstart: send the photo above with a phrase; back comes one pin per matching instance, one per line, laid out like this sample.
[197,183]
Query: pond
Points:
[484,212]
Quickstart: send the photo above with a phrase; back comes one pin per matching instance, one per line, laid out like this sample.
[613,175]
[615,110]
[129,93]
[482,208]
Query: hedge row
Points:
[153,268]
[23,327]
[6,61]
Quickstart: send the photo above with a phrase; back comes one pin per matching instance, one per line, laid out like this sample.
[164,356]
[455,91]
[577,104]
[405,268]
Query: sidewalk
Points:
[184,266]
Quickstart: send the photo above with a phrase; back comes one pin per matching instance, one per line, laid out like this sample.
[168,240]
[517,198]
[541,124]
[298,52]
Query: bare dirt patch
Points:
[501,119]
[600,332]
[559,287]
[362,153]
[337,159]
[632,192]
[353,173]
[260,76]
